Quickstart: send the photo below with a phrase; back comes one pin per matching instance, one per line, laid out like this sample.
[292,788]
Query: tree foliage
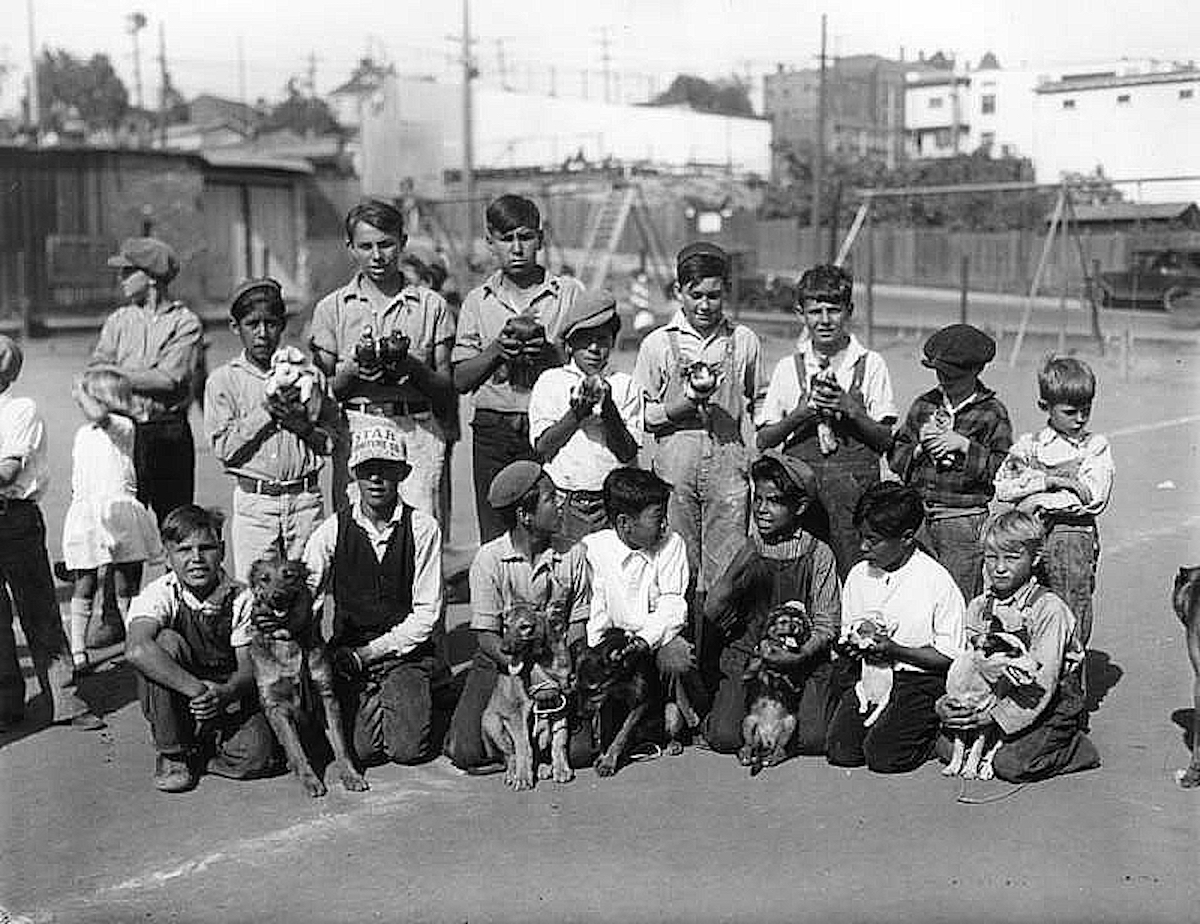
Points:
[722,97]
[305,115]
[92,88]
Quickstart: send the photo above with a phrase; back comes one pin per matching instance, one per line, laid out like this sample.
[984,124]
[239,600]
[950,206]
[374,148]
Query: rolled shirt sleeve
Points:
[24,431]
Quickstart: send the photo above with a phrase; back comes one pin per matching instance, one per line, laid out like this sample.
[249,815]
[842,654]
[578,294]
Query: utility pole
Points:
[35,111]
[606,62]
[468,127]
[311,78]
[241,70]
[165,79]
[819,154]
[136,23]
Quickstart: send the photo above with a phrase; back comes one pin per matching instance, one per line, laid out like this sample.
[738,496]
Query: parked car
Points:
[1151,275]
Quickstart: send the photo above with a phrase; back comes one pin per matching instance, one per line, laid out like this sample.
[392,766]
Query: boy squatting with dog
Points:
[267,440]
[382,561]
[1042,728]
[899,586]
[189,643]
[780,562]
[527,564]
[1064,474]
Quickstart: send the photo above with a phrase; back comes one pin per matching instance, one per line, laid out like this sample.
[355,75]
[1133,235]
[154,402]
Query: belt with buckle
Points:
[389,408]
[277,488]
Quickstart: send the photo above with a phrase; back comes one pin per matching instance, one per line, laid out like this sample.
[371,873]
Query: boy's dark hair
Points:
[764,468]
[701,261]
[510,212]
[1066,380]
[188,520]
[630,490]
[378,214]
[825,283]
[890,509]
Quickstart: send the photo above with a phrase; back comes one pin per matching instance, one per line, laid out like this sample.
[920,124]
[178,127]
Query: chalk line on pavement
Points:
[1153,425]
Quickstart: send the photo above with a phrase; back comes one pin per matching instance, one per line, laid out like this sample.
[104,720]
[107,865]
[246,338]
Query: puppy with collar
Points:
[773,690]
[526,715]
[991,659]
[290,660]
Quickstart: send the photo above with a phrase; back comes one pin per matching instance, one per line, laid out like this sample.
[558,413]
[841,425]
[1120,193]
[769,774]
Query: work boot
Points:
[85,721]
[173,773]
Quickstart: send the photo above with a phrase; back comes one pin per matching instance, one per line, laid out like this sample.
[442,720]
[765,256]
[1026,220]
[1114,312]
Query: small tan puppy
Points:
[773,688]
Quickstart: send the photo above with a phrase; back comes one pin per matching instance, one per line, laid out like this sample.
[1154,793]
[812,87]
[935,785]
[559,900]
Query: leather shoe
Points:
[173,773]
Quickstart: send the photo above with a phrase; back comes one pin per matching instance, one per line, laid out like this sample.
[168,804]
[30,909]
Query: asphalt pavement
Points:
[690,838]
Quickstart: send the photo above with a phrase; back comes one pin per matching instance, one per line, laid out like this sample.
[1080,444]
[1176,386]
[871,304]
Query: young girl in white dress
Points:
[106,526]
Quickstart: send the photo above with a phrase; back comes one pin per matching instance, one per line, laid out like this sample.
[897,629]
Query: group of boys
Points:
[665,553]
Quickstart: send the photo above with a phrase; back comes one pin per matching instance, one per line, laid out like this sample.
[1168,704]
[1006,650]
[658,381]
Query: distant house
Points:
[229,216]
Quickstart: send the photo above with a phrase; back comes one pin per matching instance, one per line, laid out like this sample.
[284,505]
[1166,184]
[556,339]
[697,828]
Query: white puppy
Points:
[874,688]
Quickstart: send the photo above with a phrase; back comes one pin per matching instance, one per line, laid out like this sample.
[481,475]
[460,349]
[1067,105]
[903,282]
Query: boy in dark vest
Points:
[830,404]
[382,561]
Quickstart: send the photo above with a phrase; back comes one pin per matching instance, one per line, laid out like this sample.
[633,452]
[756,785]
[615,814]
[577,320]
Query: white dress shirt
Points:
[417,626]
[639,590]
[23,437]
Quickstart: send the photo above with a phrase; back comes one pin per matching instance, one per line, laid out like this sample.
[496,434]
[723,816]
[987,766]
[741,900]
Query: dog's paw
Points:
[312,784]
[544,771]
[606,765]
[351,779]
[986,771]
[746,755]
[674,747]
[563,774]
[950,769]
[1189,778]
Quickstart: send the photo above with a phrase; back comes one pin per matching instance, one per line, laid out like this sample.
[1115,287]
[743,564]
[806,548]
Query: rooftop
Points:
[1184,75]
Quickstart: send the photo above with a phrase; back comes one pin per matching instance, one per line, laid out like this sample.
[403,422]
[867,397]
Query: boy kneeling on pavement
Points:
[190,647]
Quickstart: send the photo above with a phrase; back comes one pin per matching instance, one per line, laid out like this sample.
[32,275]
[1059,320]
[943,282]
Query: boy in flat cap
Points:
[529,563]
[265,436]
[779,563]
[157,342]
[25,564]
[508,331]
[953,442]
[830,404]
[384,342]
[382,561]
[700,375]
[585,420]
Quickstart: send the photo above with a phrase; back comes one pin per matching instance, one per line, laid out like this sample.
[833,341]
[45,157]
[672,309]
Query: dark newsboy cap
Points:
[254,292]
[513,482]
[959,346]
[148,254]
[592,309]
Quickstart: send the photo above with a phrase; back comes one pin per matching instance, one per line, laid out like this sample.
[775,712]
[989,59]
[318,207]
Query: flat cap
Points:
[513,482]
[702,249]
[11,359]
[253,292]
[149,254]
[379,439]
[959,346]
[797,471]
[592,309]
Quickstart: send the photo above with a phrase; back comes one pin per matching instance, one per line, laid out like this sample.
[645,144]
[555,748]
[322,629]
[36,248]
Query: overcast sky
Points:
[645,37]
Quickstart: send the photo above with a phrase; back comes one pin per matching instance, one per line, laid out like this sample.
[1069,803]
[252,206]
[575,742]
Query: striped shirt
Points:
[983,420]
[244,436]
[165,340]
[418,313]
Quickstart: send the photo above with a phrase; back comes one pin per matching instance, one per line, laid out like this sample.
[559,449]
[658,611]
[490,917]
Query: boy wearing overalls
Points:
[830,404]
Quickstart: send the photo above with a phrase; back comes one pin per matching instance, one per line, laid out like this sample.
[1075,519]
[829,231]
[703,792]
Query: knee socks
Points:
[81,614]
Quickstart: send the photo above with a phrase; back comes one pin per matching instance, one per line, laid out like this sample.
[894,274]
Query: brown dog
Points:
[527,712]
[1186,598]
[290,658]
[618,676]
[773,689]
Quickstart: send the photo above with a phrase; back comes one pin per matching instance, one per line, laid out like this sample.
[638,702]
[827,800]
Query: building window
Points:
[1123,99]
[1186,94]
[935,102]
[943,138]
[988,104]
[1068,104]
[987,140]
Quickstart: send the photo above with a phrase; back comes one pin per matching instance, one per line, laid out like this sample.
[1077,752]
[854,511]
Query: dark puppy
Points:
[527,712]
[1186,598]
[288,655]
[619,678]
[773,688]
